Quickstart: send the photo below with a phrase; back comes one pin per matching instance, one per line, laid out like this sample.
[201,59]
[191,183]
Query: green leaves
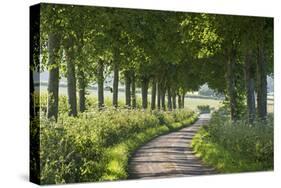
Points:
[181,50]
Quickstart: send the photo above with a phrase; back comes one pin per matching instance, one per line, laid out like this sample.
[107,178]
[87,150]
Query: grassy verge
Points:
[223,160]
[119,155]
[235,147]
[96,145]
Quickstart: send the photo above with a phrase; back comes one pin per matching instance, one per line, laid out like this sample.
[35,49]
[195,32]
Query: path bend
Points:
[169,155]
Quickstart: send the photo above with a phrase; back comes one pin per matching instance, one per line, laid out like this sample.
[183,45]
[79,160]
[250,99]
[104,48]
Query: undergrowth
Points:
[235,147]
[97,145]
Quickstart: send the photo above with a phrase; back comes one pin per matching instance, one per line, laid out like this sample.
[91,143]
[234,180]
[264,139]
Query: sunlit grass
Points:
[97,144]
[119,155]
[235,147]
[220,158]
[192,103]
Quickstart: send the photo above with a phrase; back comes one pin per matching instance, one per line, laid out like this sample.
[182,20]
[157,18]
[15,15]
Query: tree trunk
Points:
[170,107]
[158,96]
[82,90]
[179,101]
[71,79]
[115,84]
[250,87]
[144,91]
[81,76]
[163,104]
[127,89]
[153,95]
[174,101]
[100,85]
[32,107]
[53,82]
[134,101]
[182,100]
[230,77]
[261,83]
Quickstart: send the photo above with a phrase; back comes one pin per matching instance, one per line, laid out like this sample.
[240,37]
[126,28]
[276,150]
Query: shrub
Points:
[204,109]
[236,147]
[69,152]
[42,101]
[96,145]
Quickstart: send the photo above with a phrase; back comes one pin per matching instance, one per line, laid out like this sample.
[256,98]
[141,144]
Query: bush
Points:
[236,147]
[204,109]
[69,152]
[41,102]
[97,144]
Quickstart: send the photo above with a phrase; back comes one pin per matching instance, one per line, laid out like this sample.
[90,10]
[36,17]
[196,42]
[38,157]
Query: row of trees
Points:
[248,54]
[169,52]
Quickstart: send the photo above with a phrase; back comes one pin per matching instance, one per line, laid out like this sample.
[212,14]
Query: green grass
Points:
[235,148]
[117,167]
[119,155]
[192,103]
[97,144]
[220,158]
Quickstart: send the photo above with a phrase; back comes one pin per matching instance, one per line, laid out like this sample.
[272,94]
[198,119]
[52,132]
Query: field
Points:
[190,103]
[270,105]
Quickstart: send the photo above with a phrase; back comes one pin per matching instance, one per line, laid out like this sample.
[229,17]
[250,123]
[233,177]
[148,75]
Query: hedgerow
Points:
[97,144]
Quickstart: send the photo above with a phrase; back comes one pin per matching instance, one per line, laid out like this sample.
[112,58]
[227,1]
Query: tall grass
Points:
[97,145]
[235,147]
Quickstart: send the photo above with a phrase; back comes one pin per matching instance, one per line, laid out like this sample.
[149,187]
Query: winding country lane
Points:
[170,155]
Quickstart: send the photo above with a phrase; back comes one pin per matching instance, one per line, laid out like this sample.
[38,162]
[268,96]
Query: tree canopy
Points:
[169,52]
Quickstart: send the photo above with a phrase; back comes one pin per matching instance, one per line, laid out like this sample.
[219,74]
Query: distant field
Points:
[270,107]
[190,103]
[63,90]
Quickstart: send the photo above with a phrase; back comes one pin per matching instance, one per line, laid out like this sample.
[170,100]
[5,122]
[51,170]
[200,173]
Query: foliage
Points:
[206,91]
[179,52]
[97,144]
[235,147]
[119,154]
[91,102]
[201,46]
[204,109]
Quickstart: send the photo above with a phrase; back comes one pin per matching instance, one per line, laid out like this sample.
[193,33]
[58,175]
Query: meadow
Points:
[191,103]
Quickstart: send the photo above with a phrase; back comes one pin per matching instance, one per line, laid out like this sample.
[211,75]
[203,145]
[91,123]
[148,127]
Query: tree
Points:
[53,82]
[71,76]
[153,94]
[232,54]
[250,85]
[50,24]
[100,77]
[264,59]
[248,51]
[134,101]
